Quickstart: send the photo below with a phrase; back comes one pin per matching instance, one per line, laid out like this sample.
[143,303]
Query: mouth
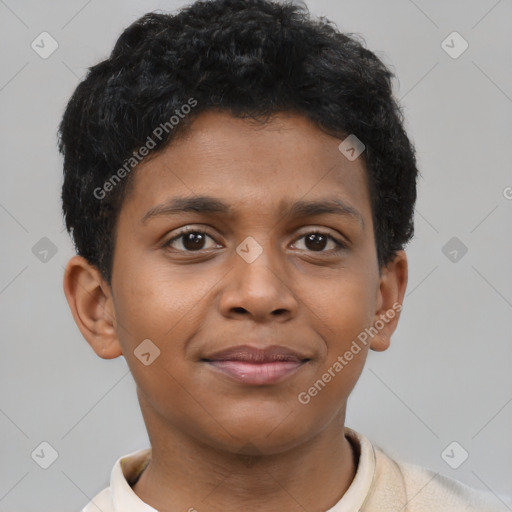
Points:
[255,366]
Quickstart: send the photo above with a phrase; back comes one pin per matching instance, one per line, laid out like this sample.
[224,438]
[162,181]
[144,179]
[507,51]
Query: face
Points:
[245,253]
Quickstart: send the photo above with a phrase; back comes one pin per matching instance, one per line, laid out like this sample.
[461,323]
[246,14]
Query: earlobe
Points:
[393,283]
[90,300]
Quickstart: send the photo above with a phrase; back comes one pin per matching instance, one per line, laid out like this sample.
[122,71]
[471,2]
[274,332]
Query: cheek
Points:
[343,312]
[156,306]
[162,309]
[167,309]
[343,309]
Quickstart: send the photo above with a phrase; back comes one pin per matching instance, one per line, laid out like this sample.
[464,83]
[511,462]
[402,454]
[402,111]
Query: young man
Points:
[240,188]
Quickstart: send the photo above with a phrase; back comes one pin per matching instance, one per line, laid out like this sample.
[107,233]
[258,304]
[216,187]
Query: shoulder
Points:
[119,496]
[101,501]
[422,489]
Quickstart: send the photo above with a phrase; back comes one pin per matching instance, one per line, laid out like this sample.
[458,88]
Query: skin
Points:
[303,296]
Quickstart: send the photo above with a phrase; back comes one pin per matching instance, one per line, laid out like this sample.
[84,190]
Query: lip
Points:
[256,366]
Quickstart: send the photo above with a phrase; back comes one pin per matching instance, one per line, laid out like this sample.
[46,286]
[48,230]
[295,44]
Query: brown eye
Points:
[318,241]
[191,240]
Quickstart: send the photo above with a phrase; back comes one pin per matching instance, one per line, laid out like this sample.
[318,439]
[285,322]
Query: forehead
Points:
[254,167]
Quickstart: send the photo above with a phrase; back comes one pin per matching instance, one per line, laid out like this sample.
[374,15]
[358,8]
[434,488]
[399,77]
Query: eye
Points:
[193,240]
[190,239]
[316,241]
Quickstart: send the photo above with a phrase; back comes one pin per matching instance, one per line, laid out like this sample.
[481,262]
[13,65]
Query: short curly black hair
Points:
[252,58]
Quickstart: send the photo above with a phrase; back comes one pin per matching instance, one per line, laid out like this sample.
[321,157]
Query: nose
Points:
[258,289]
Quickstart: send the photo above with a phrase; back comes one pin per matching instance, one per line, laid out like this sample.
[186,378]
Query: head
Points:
[212,207]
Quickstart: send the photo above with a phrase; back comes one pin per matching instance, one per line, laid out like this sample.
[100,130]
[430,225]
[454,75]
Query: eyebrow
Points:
[208,204]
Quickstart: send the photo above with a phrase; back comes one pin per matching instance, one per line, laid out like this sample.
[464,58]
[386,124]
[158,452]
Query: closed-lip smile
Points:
[256,366]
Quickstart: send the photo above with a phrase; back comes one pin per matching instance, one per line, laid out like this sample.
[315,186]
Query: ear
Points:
[91,303]
[393,282]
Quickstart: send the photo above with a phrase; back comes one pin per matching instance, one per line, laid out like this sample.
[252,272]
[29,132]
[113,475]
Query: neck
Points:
[185,474]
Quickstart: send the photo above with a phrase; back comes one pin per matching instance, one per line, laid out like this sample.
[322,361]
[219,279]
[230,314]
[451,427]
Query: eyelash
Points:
[340,246]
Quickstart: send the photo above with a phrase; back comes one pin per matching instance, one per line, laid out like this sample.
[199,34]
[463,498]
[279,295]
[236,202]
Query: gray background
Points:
[447,376]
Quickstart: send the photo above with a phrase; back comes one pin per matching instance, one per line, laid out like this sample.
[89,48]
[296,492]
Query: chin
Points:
[264,434]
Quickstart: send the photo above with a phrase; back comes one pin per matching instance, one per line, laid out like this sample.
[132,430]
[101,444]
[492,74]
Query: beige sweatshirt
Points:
[381,484]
